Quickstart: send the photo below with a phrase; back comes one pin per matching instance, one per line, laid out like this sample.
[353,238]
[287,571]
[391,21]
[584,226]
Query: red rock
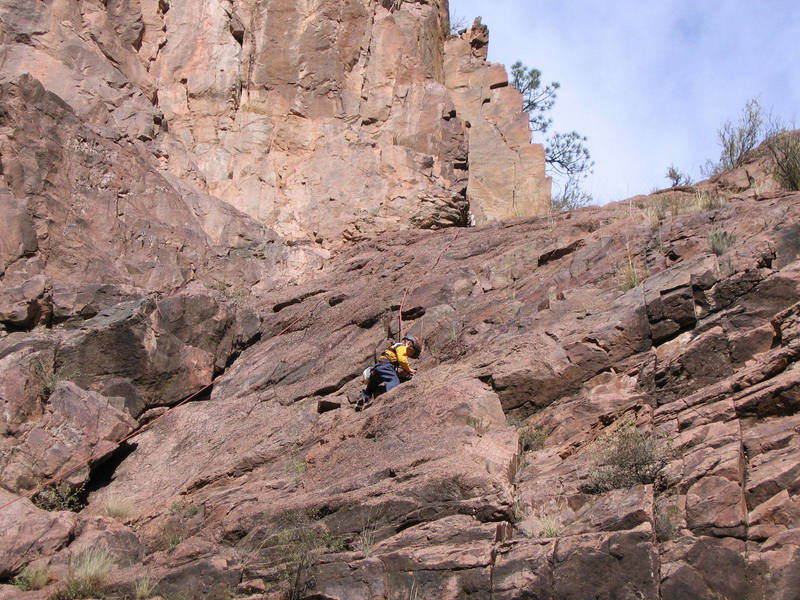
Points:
[166,226]
[27,533]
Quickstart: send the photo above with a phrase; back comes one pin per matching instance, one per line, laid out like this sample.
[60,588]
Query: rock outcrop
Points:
[327,122]
[546,341]
[506,172]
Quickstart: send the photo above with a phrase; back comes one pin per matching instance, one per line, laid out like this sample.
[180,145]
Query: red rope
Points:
[69,470]
[400,314]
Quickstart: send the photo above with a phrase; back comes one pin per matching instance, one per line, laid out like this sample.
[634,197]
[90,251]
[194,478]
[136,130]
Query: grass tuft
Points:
[118,508]
[144,588]
[88,573]
[721,241]
[32,578]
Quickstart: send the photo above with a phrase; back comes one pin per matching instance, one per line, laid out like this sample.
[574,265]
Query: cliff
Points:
[325,121]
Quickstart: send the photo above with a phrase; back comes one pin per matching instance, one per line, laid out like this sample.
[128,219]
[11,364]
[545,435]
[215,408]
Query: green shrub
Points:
[60,496]
[32,578]
[625,457]
[531,439]
[720,241]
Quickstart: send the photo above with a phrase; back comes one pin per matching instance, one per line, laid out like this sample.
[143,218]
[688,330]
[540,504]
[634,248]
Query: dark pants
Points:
[382,374]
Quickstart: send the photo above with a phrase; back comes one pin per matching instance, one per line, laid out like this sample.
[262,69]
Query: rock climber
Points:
[392,368]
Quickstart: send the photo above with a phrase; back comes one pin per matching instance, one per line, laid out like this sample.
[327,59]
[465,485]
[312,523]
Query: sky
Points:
[649,83]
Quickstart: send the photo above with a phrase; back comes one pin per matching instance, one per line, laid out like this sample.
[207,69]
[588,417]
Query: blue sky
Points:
[650,83]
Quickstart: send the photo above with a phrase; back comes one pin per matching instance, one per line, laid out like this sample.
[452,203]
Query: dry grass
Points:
[550,520]
[88,573]
[720,241]
[144,588]
[118,508]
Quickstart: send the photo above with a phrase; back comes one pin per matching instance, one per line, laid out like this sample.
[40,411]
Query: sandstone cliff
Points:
[507,173]
[607,403]
[327,121]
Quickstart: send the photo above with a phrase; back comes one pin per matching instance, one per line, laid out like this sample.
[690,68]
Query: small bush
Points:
[626,457]
[88,574]
[677,178]
[571,196]
[720,241]
[60,496]
[32,578]
[738,139]
[531,439]
[785,150]
[457,24]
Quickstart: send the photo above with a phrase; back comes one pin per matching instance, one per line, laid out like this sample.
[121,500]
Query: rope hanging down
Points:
[403,301]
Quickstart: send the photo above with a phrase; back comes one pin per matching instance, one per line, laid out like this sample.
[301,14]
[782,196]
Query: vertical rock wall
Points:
[323,118]
[327,121]
[506,172]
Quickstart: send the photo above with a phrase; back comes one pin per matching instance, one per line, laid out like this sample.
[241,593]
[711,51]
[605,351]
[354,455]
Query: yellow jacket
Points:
[397,354]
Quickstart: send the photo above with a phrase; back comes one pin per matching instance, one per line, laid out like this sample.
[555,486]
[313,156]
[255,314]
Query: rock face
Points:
[326,121]
[506,172]
[548,341]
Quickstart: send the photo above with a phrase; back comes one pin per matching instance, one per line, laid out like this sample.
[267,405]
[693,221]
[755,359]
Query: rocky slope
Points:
[487,475]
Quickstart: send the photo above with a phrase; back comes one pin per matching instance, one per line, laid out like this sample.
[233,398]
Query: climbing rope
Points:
[405,293]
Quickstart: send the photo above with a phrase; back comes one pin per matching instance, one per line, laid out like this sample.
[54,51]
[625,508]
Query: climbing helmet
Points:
[415,344]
